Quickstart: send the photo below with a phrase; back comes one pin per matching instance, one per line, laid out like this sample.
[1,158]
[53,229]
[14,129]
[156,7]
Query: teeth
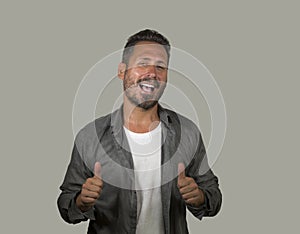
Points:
[148,86]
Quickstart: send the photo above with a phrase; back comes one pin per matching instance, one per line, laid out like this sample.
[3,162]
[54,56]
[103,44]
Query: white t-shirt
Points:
[146,154]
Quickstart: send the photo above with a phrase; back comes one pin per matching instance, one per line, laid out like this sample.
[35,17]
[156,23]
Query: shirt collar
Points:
[117,120]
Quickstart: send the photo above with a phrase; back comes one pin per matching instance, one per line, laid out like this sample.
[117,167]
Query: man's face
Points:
[146,74]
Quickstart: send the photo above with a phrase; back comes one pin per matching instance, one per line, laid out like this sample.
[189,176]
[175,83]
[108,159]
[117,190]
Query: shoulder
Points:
[186,130]
[185,124]
[93,131]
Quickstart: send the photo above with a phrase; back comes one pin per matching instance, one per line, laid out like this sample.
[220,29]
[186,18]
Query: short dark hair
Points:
[144,35]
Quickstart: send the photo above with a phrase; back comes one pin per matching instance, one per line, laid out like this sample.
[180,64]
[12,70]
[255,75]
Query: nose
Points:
[151,71]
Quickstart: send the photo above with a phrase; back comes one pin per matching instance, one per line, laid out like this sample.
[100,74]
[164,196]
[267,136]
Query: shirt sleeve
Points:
[76,175]
[200,171]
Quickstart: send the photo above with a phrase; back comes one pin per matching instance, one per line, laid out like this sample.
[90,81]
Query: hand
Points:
[91,190]
[188,188]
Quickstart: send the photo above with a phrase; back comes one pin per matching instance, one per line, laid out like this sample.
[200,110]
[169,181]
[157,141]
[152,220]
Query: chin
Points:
[147,104]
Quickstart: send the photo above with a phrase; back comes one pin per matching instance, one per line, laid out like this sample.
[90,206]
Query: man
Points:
[137,169]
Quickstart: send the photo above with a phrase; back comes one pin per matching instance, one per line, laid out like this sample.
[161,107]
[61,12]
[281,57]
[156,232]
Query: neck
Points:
[139,120]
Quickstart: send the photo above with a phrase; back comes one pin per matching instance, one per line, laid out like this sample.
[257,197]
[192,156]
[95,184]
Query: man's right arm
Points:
[76,176]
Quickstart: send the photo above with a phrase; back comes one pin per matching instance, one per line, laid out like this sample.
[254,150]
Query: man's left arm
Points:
[199,186]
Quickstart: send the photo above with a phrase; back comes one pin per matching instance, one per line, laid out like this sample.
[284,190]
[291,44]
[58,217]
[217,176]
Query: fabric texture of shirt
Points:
[115,211]
[145,149]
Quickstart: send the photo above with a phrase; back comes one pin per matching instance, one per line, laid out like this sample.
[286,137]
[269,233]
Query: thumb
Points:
[97,170]
[181,171]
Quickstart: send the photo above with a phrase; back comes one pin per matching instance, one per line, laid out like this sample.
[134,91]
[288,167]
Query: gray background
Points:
[251,48]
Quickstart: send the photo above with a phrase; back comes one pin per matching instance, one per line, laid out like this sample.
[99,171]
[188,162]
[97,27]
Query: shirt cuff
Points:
[199,212]
[75,214]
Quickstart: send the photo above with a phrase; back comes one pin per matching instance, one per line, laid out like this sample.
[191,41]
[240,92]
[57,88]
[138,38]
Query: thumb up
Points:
[181,172]
[188,188]
[91,190]
[97,170]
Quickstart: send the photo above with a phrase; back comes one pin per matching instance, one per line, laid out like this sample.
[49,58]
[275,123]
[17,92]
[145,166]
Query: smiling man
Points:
[139,168]
[146,74]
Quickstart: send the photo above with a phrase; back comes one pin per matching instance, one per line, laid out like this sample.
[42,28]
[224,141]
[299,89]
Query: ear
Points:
[121,70]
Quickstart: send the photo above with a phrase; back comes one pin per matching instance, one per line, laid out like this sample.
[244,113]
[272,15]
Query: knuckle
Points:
[88,181]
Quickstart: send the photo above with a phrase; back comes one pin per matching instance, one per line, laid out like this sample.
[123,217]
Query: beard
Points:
[143,100]
[147,104]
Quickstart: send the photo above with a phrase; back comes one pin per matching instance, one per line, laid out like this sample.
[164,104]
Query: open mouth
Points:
[148,88]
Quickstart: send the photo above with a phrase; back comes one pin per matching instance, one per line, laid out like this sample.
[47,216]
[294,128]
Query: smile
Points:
[148,88]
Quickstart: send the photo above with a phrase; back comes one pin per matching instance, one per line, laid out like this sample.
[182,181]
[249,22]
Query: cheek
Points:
[136,72]
[129,80]
[131,77]
[132,74]
[165,75]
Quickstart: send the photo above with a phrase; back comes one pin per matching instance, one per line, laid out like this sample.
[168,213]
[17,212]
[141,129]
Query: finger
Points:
[194,201]
[92,188]
[90,194]
[190,195]
[97,182]
[182,183]
[94,181]
[88,201]
[97,169]
[186,189]
[187,185]
[181,171]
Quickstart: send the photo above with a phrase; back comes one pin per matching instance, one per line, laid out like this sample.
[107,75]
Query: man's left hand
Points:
[188,188]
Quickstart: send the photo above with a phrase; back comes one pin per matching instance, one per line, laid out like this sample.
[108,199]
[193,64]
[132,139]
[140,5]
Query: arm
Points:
[76,175]
[207,182]
[198,185]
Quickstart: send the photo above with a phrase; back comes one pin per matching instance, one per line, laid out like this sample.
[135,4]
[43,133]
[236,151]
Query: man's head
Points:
[144,68]
[144,35]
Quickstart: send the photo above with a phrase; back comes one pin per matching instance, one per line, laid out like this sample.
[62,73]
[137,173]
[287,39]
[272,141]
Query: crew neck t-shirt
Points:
[146,153]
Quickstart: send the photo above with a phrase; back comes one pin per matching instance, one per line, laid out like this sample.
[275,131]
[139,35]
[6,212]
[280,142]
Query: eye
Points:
[161,68]
[143,64]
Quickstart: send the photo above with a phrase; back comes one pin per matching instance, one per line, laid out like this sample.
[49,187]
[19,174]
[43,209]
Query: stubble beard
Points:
[146,101]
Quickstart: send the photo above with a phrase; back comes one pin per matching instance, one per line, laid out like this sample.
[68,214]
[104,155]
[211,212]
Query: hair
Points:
[144,35]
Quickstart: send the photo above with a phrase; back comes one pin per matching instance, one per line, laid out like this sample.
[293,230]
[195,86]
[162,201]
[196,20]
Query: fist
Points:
[188,188]
[91,190]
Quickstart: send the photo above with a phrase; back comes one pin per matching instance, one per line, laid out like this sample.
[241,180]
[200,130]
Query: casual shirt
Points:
[115,211]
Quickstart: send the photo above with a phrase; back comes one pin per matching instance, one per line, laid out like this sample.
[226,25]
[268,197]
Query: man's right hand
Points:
[91,190]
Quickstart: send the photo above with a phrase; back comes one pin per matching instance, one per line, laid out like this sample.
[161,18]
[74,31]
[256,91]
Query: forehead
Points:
[149,49]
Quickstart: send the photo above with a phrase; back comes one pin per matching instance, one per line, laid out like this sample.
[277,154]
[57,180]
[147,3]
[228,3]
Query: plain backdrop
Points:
[250,47]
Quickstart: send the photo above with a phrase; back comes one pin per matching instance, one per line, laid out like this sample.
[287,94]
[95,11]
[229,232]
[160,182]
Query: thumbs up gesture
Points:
[188,188]
[91,190]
